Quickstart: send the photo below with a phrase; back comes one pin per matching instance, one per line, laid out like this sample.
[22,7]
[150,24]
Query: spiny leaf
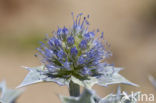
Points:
[152,80]
[9,95]
[120,97]
[36,75]
[111,76]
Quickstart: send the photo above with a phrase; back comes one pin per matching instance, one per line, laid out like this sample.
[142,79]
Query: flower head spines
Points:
[70,40]
[59,31]
[57,42]
[102,35]
[67,65]
[49,53]
[61,54]
[54,43]
[86,71]
[78,25]
[62,33]
[74,51]
[87,37]
[65,31]
[81,60]
[83,44]
[51,68]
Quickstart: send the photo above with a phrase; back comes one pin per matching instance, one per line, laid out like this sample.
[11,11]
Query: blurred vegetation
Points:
[148,17]
[150,14]
[22,43]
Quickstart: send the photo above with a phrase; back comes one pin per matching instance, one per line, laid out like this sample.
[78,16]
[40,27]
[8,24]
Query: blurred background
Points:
[129,26]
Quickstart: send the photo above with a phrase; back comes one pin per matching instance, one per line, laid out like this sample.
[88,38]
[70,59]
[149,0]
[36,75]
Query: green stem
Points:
[74,89]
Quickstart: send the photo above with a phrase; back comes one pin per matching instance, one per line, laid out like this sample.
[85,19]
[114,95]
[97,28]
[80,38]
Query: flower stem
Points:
[74,89]
[13,102]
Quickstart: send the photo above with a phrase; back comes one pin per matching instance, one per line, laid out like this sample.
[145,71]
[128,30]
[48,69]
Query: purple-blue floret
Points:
[83,44]
[73,51]
[70,40]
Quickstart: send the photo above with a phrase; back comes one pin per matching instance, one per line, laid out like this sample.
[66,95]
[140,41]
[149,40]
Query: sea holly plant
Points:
[9,95]
[75,57]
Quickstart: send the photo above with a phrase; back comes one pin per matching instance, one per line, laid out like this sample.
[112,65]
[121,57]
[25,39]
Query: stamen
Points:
[102,35]
[83,22]
[80,18]
[73,19]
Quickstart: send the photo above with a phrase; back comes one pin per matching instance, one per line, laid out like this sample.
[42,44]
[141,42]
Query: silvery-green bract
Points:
[8,95]
[152,80]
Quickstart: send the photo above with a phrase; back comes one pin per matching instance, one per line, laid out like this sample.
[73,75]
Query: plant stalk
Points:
[74,89]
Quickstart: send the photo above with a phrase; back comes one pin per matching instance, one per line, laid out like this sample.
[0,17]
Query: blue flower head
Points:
[74,52]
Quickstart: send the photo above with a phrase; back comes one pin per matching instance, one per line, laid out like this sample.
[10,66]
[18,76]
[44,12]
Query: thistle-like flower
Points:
[74,52]
[75,55]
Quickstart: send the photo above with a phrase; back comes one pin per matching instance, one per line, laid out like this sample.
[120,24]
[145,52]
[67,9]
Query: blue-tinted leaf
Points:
[36,75]
[153,81]
[9,95]
[120,98]
[111,76]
